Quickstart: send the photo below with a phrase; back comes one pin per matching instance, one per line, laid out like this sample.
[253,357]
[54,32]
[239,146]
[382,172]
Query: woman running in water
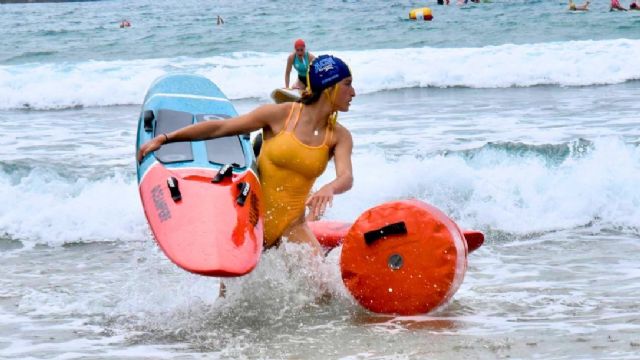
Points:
[299,140]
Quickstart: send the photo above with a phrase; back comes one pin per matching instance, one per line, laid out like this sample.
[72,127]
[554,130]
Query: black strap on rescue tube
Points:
[398,228]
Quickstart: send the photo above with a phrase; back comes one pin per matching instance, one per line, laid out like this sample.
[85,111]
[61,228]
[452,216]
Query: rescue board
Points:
[283,95]
[202,198]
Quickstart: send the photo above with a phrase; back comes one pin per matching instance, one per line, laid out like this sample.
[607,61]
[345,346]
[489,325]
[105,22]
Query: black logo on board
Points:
[161,206]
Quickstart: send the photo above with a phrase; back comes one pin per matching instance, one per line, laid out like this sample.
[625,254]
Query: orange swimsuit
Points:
[288,168]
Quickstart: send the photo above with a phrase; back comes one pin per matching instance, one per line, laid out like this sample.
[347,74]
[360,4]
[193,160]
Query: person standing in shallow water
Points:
[300,60]
[299,140]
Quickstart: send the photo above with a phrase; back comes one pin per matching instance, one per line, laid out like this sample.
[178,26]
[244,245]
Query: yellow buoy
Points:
[420,14]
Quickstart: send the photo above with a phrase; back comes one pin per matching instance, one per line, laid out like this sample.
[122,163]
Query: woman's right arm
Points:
[288,70]
[262,117]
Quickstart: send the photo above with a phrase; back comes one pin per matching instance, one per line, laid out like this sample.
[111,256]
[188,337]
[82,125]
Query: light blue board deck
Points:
[193,94]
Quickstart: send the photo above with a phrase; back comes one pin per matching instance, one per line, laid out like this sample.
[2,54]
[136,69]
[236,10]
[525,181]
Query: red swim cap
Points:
[299,43]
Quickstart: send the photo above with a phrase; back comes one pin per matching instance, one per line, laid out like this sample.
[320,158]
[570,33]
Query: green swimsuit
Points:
[302,66]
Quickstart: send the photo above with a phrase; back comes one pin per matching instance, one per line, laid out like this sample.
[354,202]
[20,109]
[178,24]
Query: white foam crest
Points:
[299,278]
[573,63]
[498,190]
[255,74]
[492,189]
[64,85]
[45,208]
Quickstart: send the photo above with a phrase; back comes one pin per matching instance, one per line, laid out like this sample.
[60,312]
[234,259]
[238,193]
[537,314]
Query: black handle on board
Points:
[244,188]
[172,183]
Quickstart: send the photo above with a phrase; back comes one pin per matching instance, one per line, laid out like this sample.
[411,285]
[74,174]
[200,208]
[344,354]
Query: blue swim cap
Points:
[326,71]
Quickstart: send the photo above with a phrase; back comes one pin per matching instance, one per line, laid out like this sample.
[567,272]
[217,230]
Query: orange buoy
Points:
[421,14]
[403,257]
[329,233]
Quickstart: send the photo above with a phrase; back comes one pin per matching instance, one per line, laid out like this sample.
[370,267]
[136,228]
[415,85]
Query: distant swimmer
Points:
[300,60]
[443,2]
[634,5]
[125,23]
[574,7]
[615,6]
[220,20]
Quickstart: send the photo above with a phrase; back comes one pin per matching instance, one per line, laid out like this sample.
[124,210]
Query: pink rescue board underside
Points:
[206,232]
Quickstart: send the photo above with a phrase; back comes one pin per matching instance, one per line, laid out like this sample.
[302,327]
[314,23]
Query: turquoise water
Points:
[161,29]
[517,118]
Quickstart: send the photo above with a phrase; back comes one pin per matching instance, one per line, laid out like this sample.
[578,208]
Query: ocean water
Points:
[516,118]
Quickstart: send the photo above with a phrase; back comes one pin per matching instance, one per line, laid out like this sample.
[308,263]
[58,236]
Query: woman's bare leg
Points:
[300,233]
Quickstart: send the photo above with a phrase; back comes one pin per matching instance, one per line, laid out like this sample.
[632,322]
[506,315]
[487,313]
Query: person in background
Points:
[615,6]
[574,7]
[634,5]
[220,20]
[443,2]
[125,23]
[300,60]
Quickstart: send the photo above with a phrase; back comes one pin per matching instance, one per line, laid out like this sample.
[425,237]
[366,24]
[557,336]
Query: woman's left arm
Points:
[344,176]
[342,158]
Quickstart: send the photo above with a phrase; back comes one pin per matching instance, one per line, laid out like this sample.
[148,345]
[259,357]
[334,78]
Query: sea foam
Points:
[255,74]
[490,187]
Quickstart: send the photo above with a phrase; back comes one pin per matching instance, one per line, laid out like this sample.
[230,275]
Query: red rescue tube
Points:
[331,234]
[403,257]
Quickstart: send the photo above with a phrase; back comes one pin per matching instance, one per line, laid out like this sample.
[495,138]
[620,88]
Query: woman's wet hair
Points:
[307,97]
